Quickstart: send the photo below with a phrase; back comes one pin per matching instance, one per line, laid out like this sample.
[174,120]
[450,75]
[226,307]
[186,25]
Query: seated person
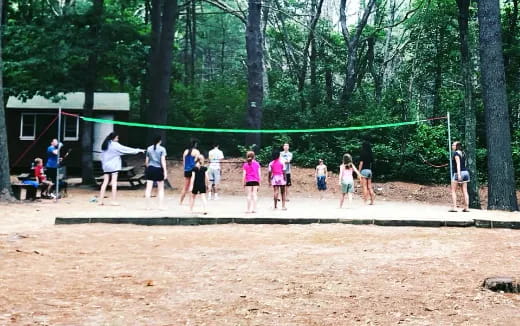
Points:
[41,178]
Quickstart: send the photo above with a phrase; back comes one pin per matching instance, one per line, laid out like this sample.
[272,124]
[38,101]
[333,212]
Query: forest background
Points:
[278,64]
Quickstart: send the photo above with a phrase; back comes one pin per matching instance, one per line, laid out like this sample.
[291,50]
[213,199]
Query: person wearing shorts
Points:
[215,156]
[277,178]
[188,162]
[365,166]
[251,181]
[346,179]
[155,163]
[460,176]
[111,164]
[199,182]
[287,159]
[321,177]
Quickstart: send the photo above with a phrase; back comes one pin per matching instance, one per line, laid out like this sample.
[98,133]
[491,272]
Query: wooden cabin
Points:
[32,124]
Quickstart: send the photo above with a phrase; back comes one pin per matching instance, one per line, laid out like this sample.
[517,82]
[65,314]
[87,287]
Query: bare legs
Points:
[160,193]
[185,189]
[342,199]
[213,192]
[192,202]
[368,191]
[277,190]
[252,196]
[454,185]
[106,179]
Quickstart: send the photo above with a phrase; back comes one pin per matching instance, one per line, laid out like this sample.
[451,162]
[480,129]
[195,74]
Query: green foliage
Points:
[412,71]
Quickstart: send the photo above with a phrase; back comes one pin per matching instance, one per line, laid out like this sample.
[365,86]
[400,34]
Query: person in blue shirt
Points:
[188,162]
[53,161]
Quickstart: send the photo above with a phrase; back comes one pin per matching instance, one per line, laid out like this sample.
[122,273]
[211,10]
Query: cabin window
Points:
[28,126]
[71,128]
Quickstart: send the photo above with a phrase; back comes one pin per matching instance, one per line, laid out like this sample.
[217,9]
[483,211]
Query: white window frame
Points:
[22,136]
[65,129]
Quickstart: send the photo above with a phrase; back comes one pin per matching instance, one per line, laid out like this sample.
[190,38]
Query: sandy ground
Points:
[256,275]
[252,274]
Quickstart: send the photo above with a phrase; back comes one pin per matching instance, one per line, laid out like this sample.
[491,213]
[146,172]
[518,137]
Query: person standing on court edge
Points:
[215,173]
[188,162]
[53,161]
[287,158]
[365,169]
[460,176]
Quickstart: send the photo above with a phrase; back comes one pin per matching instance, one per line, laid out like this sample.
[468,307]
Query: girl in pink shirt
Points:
[251,181]
[277,177]
[346,179]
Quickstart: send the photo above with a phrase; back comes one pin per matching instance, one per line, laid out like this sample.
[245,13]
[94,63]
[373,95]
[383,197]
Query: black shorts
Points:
[252,184]
[154,173]
[200,190]
[187,174]
[51,174]
[288,179]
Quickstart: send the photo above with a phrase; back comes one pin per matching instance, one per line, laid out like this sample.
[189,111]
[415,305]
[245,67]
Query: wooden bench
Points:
[24,191]
[126,174]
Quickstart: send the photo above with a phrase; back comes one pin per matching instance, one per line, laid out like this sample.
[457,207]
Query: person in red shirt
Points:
[41,177]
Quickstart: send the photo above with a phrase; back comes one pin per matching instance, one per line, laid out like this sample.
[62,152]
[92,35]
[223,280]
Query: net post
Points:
[59,147]
[449,144]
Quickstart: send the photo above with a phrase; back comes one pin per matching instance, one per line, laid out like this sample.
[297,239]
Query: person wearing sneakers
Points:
[215,156]
[199,183]
[277,178]
[287,158]
[156,172]
[111,163]
[460,176]
[251,180]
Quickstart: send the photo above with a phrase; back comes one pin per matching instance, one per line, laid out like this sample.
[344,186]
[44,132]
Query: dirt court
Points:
[331,274]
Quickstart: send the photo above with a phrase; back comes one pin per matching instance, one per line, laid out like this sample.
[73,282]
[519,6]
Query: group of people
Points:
[199,179]
[346,176]
[46,174]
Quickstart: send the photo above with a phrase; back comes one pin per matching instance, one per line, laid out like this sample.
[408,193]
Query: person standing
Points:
[277,179]
[460,176]
[215,173]
[199,183]
[365,166]
[156,171]
[251,181]
[287,159]
[346,179]
[321,176]
[111,163]
[188,162]
[53,162]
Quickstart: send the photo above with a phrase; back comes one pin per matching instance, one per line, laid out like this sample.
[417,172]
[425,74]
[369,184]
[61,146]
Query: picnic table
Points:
[127,174]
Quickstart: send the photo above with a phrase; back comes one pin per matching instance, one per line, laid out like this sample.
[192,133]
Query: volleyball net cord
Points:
[251,131]
[264,131]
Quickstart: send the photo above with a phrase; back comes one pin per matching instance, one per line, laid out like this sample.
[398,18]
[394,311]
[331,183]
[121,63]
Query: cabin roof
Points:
[73,101]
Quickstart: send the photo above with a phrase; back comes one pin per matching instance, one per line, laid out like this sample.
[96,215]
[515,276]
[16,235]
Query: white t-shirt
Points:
[214,156]
[287,158]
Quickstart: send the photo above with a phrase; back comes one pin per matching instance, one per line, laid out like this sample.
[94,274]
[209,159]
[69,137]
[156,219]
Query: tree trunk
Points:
[469,107]
[193,40]
[266,60]
[352,42]
[5,180]
[164,18]
[501,176]
[87,171]
[255,71]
